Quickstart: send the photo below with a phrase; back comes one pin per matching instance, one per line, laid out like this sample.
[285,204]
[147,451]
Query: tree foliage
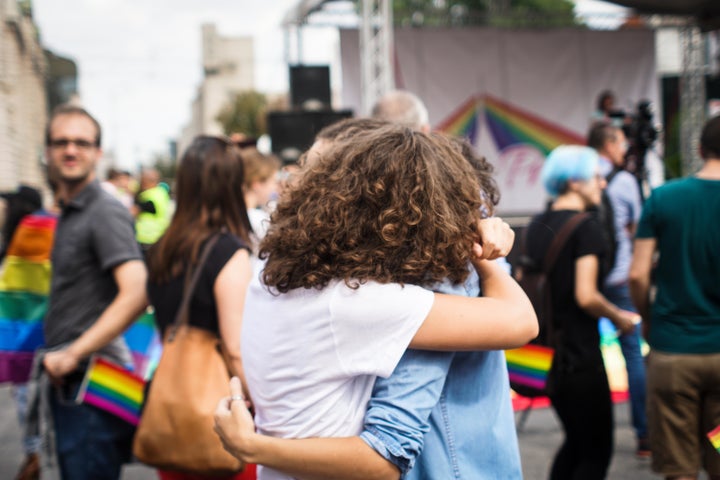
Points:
[499,13]
[244,113]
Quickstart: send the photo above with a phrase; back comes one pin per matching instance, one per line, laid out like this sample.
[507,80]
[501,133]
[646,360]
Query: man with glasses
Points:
[625,204]
[97,291]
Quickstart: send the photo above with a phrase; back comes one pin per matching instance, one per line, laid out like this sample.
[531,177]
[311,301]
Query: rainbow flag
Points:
[714,437]
[529,365]
[463,122]
[510,125]
[145,345]
[113,388]
[24,288]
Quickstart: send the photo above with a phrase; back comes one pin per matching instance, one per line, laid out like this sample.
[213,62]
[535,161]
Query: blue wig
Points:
[566,163]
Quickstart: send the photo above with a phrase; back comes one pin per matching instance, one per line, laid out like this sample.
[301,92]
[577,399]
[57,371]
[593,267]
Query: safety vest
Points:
[150,226]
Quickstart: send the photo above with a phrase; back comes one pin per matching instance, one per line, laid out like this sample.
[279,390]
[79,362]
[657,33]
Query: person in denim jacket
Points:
[460,424]
[464,408]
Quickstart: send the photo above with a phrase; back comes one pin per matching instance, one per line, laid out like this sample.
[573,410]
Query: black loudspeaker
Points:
[310,87]
[292,133]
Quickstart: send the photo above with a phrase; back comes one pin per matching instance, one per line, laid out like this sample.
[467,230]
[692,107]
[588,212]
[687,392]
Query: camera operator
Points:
[638,127]
[642,134]
[607,112]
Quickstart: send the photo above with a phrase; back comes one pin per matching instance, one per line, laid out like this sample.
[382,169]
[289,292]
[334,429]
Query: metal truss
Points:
[692,97]
[376,50]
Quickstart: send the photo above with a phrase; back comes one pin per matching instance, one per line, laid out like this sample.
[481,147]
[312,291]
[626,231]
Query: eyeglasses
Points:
[59,143]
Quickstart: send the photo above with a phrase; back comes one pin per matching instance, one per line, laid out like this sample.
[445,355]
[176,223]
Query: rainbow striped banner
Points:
[529,365]
[714,437]
[463,122]
[113,388]
[24,286]
[510,125]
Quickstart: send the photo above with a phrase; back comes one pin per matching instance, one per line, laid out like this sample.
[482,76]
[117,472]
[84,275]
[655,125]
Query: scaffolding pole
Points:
[376,47]
[692,97]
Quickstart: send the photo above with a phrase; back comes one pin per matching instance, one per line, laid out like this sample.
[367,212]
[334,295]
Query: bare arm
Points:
[310,459]
[640,269]
[502,318]
[230,289]
[592,301]
[127,305]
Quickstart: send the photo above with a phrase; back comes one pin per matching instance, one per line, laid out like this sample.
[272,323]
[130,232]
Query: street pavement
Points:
[539,439]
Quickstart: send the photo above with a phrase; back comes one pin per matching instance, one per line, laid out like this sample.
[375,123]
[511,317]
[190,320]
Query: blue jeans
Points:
[31,443]
[91,444]
[634,361]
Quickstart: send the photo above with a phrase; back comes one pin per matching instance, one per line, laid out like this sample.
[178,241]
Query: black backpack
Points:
[535,282]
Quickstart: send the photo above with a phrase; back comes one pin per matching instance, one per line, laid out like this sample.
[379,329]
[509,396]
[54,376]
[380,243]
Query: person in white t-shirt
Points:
[372,220]
[260,186]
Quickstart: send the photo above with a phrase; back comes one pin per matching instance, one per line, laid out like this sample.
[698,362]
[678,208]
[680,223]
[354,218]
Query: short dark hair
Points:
[710,139]
[600,133]
[602,97]
[67,109]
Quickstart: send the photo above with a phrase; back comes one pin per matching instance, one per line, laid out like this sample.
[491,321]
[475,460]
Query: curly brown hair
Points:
[391,205]
[483,170]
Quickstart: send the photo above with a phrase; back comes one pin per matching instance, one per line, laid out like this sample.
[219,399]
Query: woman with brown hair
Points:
[371,221]
[209,202]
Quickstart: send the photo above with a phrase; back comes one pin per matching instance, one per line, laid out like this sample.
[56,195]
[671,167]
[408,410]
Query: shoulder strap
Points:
[561,239]
[182,317]
[613,172]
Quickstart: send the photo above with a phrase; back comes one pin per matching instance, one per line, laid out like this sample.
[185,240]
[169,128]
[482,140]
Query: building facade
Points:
[23,100]
[228,69]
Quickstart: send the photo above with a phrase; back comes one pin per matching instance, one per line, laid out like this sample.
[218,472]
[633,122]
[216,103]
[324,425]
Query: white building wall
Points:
[22,100]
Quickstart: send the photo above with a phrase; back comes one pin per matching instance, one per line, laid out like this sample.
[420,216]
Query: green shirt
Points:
[684,217]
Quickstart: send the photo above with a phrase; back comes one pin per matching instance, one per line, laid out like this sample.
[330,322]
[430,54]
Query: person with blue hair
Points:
[579,389]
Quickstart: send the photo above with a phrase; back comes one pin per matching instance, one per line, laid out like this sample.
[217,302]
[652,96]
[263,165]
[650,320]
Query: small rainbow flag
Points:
[463,122]
[510,125]
[714,437]
[529,365]
[113,388]
[145,345]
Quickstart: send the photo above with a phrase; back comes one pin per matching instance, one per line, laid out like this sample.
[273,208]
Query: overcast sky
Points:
[139,60]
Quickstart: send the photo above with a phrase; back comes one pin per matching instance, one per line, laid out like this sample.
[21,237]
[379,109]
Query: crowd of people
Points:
[363,301]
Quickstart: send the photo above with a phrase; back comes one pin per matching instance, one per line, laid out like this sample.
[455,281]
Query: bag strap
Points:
[613,172]
[561,239]
[182,317]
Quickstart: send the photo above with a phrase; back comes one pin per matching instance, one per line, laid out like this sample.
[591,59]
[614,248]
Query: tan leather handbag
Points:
[176,426]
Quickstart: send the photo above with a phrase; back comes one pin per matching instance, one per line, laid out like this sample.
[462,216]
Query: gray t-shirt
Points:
[94,234]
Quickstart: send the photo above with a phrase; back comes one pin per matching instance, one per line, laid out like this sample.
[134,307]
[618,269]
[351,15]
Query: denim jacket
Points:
[446,415]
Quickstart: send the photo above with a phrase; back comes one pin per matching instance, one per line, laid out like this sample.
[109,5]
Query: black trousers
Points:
[582,402]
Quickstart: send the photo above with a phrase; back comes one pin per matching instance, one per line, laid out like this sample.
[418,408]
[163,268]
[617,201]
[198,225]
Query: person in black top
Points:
[209,201]
[580,392]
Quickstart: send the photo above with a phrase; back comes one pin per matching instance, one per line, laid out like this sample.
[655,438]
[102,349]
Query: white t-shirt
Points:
[311,356]
[259,221]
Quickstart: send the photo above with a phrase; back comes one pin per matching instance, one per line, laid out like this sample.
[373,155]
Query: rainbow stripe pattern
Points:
[24,289]
[113,388]
[463,122]
[714,437]
[510,125]
[529,365]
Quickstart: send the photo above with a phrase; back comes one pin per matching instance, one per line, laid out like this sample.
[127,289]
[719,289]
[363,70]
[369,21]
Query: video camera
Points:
[641,133]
